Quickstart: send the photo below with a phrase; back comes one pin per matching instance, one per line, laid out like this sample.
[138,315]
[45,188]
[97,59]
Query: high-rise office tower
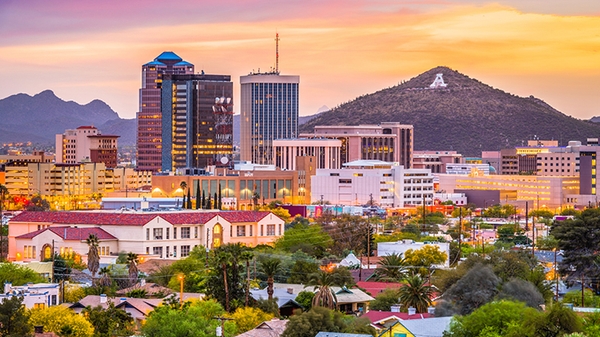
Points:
[269,110]
[149,117]
[197,121]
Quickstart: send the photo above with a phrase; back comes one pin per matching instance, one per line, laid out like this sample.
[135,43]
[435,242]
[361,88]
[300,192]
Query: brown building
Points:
[436,160]
[246,184]
[149,117]
[389,142]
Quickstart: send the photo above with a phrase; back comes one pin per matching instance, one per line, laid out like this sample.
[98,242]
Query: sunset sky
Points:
[85,50]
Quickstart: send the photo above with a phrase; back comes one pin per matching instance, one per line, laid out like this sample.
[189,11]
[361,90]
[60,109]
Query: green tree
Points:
[311,239]
[416,293]
[384,300]
[541,213]
[105,280]
[476,288]
[225,282]
[305,298]
[557,321]
[522,291]
[14,318]
[425,258]
[391,268]
[270,267]
[109,321]
[579,241]
[195,319]
[18,275]
[301,271]
[59,319]
[308,324]
[247,318]
[324,296]
[37,204]
[504,318]
[93,258]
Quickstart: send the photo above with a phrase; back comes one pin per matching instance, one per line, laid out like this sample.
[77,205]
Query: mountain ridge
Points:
[466,115]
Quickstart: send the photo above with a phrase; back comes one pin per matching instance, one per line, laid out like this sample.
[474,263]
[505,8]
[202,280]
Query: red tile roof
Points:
[72,233]
[136,219]
[376,316]
[374,288]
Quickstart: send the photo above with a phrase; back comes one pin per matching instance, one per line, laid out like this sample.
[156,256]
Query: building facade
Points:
[168,235]
[325,151]
[365,182]
[197,121]
[389,142]
[149,116]
[269,106]
[86,144]
[436,161]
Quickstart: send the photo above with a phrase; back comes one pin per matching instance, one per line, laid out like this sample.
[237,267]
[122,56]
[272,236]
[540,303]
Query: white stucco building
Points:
[40,295]
[387,184]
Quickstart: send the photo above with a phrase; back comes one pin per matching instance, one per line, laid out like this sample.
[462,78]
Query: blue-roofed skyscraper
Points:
[149,116]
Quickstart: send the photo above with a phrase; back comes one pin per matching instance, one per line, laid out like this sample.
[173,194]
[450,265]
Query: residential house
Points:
[39,295]
[428,327]
[272,328]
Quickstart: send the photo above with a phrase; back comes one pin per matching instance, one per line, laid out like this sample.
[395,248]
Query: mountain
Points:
[40,117]
[466,116]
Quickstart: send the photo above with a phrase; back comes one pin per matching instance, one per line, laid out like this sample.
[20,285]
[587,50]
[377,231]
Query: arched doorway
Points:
[46,252]
[217,236]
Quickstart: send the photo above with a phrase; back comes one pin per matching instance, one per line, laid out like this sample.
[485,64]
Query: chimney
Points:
[395,308]
[290,290]
[102,298]
[411,311]
[7,287]
[431,310]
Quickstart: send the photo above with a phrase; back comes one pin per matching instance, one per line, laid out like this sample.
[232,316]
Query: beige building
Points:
[244,185]
[436,160]
[547,192]
[325,151]
[72,186]
[86,144]
[389,142]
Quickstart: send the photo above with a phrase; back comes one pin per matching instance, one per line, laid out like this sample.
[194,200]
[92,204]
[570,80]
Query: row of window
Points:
[184,233]
[184,251]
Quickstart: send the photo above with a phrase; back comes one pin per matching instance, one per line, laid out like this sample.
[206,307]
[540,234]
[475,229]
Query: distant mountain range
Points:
[466,116]
[39,118]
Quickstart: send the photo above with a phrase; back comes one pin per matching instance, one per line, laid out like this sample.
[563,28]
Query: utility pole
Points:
[459,233]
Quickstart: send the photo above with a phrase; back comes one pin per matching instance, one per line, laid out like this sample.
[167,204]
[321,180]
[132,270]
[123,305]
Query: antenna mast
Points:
[277,53]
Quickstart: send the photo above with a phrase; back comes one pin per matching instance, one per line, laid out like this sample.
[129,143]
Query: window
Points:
[241,230]
[174,251]
[345,181]
[174,233]
[270,230]
[250,230]
[158,233]
[185,251]
[167,234]
[262,230]
[157,251]
[147,233]
[196,232]
[185,232]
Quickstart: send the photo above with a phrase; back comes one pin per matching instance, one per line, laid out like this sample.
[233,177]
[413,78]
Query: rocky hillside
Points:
[467,116]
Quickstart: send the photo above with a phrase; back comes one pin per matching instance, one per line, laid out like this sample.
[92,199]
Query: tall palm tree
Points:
[132,260]
[324,296]
[416,293]
[392,268]
[270,266]
[93,258]
[183,186]
[222,259]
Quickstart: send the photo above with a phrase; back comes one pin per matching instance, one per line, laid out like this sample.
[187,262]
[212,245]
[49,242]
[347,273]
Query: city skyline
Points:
[341,50]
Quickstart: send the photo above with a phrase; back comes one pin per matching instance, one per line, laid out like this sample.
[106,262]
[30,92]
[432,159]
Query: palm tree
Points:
[416,293]
[132,260]
[392,268]
[93,258]
[222,259]
[324,296]
[183,186]
[270,267]
[105,280]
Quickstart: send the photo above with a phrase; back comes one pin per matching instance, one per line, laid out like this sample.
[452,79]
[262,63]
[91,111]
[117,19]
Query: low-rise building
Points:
[373,182]
[168,235]
[39,295]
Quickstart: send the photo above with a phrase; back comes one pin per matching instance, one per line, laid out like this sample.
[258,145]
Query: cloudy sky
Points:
[83,50]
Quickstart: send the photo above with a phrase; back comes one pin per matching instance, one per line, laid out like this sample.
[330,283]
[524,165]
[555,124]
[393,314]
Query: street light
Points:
[180,278]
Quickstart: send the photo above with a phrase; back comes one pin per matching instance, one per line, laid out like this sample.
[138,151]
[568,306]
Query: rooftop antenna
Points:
[277,53]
